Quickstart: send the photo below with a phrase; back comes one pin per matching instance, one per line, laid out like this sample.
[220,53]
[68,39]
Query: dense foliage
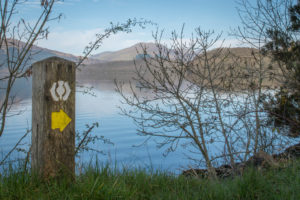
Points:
[284,46]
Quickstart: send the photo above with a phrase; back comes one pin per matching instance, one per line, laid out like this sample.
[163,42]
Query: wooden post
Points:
[53,118]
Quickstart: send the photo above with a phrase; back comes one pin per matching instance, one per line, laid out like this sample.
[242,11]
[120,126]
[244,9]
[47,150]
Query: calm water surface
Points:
[117,128]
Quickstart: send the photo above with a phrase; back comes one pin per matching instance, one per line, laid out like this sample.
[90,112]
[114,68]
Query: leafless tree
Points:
[207,100]
[253,81]
[186,102]
[17,37]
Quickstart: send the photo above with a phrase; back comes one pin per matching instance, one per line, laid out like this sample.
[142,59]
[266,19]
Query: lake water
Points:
[128,149]
[119,129]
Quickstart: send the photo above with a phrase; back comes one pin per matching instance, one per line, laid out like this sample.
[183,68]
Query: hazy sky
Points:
[82,19]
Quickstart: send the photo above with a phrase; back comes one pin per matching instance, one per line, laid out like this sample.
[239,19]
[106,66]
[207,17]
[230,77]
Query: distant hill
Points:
[105,66]
[237,68]
[242,52]
[108,71]
[120,65]
[22,87]
[37,53]
[127,54]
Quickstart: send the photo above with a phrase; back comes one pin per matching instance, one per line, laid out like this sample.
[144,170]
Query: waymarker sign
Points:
[53,118]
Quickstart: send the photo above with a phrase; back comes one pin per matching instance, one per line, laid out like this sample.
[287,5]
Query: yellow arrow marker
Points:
[59,120]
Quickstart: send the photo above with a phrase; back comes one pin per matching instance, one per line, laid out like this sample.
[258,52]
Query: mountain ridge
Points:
[128,53]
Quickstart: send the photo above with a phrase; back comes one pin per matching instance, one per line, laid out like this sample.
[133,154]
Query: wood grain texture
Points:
[52,153]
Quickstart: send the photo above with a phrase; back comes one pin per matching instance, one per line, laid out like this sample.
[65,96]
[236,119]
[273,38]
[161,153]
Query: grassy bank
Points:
[104,183]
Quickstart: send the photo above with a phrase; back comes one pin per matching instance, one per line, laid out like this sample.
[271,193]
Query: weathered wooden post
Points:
[53,118]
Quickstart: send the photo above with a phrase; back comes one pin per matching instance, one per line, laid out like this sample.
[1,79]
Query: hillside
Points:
[108,71]
[38,53]
[235,68]
[126,54]
[118,65]
[116,68]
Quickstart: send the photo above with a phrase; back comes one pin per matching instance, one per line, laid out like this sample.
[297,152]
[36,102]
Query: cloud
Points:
[75,41]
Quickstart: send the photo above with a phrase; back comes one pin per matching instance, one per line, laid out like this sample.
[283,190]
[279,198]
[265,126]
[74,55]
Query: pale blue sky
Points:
[84,18]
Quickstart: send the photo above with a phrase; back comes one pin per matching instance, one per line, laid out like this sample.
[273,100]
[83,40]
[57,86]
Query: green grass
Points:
[106,183]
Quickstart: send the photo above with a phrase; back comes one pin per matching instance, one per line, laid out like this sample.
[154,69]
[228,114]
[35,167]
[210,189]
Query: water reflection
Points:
[101,108]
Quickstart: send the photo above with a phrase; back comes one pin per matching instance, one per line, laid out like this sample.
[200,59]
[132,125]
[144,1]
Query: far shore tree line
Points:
[201,96]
